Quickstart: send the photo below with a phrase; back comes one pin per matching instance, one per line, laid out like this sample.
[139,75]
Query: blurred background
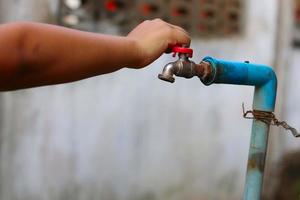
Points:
[129,135]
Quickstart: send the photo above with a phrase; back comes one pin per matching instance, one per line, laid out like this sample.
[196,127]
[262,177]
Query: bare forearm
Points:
[52,54]
[33,54]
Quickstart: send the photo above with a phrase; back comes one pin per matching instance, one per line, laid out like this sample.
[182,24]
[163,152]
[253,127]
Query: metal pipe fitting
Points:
[186,68]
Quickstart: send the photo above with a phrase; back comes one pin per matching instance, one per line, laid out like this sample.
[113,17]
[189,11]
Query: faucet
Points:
[184,67]
[215,71]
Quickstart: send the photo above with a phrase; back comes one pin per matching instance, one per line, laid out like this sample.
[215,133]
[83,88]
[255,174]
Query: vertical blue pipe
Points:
[265,82]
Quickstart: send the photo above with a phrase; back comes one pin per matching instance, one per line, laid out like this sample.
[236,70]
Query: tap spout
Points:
[168,72]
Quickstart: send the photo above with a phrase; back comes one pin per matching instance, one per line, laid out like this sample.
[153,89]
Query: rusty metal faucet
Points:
[184,67]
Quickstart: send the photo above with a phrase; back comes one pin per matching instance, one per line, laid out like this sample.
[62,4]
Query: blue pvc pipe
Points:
[265,82]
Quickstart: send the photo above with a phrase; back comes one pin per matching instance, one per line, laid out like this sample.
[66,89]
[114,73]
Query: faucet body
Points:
[183,67]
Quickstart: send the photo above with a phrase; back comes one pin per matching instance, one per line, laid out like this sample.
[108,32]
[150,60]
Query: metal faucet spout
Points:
[168,72]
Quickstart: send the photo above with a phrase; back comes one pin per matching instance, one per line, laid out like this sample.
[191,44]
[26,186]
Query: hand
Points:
[153,37]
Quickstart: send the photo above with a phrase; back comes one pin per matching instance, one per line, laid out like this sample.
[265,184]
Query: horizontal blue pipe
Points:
[244,73]
[265,82]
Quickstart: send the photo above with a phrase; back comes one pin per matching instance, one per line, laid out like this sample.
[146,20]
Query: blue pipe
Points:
[265,82]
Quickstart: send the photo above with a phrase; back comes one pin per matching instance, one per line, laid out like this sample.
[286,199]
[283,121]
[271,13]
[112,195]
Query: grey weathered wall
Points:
[128,135]
[291,101]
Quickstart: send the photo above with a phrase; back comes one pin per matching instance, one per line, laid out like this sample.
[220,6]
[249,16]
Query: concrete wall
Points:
[291,100]
[128,135]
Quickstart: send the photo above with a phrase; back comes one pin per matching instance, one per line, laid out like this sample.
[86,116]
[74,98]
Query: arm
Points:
[33,54]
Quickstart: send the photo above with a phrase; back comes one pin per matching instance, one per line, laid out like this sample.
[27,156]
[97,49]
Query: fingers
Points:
[177,37]
[154,37]
[178,28]
[181,36]
[177,34]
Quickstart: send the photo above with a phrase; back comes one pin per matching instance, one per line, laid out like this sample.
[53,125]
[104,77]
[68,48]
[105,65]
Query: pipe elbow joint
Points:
[266,93]
[272,78]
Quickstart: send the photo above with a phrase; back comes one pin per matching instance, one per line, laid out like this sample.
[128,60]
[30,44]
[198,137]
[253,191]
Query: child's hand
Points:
[153,37]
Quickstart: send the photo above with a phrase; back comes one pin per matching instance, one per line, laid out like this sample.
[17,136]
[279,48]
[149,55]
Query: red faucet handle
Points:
[184,50]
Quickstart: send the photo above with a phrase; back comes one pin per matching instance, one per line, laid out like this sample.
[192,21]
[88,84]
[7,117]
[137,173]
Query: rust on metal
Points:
[256,161]
[204,70]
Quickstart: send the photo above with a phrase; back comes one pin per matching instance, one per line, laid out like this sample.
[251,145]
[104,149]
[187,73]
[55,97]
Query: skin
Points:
[34,54]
